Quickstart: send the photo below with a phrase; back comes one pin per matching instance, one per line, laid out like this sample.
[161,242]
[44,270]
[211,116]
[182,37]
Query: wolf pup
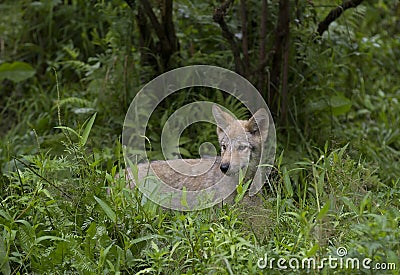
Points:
[241,143]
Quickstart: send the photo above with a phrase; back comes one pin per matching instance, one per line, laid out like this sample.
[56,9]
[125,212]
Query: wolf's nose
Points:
[224,167]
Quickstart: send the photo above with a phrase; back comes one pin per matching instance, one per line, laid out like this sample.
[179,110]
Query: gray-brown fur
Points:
[241,145]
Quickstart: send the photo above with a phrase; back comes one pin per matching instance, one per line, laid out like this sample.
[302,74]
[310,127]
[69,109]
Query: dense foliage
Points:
[68,72]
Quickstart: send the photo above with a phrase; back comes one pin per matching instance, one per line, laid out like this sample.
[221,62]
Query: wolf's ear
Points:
[258,123]
[223,119]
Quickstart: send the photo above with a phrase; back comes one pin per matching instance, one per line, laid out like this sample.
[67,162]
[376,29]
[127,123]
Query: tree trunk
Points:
[278,83]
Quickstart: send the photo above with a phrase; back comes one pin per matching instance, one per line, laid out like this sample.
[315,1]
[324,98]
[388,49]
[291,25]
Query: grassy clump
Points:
[56,215]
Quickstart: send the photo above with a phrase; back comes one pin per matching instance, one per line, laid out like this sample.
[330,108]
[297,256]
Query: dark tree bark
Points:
[285,79]
[131,4]
[280,65]
[336,13]
[149,25]
[218,17]
[245,41]
[257,73]
[146,42]
[263,34]
[240,51]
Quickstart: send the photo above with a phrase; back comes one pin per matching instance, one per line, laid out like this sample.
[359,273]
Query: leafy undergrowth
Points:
[56,216]
[328,208]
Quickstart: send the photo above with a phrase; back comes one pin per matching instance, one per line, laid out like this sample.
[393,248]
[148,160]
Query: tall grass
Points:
[335,183]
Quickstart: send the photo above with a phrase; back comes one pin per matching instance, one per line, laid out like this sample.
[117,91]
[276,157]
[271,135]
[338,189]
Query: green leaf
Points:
[4,259]
[107,209]
[324,210]
[16,71]
[174,248]
[337,105]
[53,238]
[312,251]
[241,190]
[146,238]
[146,271]
[5,215]
[287,182]
[340,105]
[68,129]
[88,127]
[103,254]
[350,204]
[155,246]
[365,202]
[184,197]
[184,152]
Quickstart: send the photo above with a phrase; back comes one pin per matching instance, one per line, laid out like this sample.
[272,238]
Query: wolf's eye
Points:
[242,147]
[223,147]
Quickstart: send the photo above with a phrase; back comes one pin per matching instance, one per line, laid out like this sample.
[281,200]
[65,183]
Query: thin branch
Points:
[146,43]
[336,13]
[263,63]
[167,43]
[245,43]
[282,37]
[166,16]
[218,17]
[225,6]
[285,66]
[263,28]
[156,25]
[168,22]
[285,80]
[169,30]
[28,166]
[131,4]
[263,34]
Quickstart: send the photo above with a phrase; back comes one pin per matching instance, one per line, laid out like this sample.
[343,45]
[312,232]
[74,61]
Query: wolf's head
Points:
[241,141]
